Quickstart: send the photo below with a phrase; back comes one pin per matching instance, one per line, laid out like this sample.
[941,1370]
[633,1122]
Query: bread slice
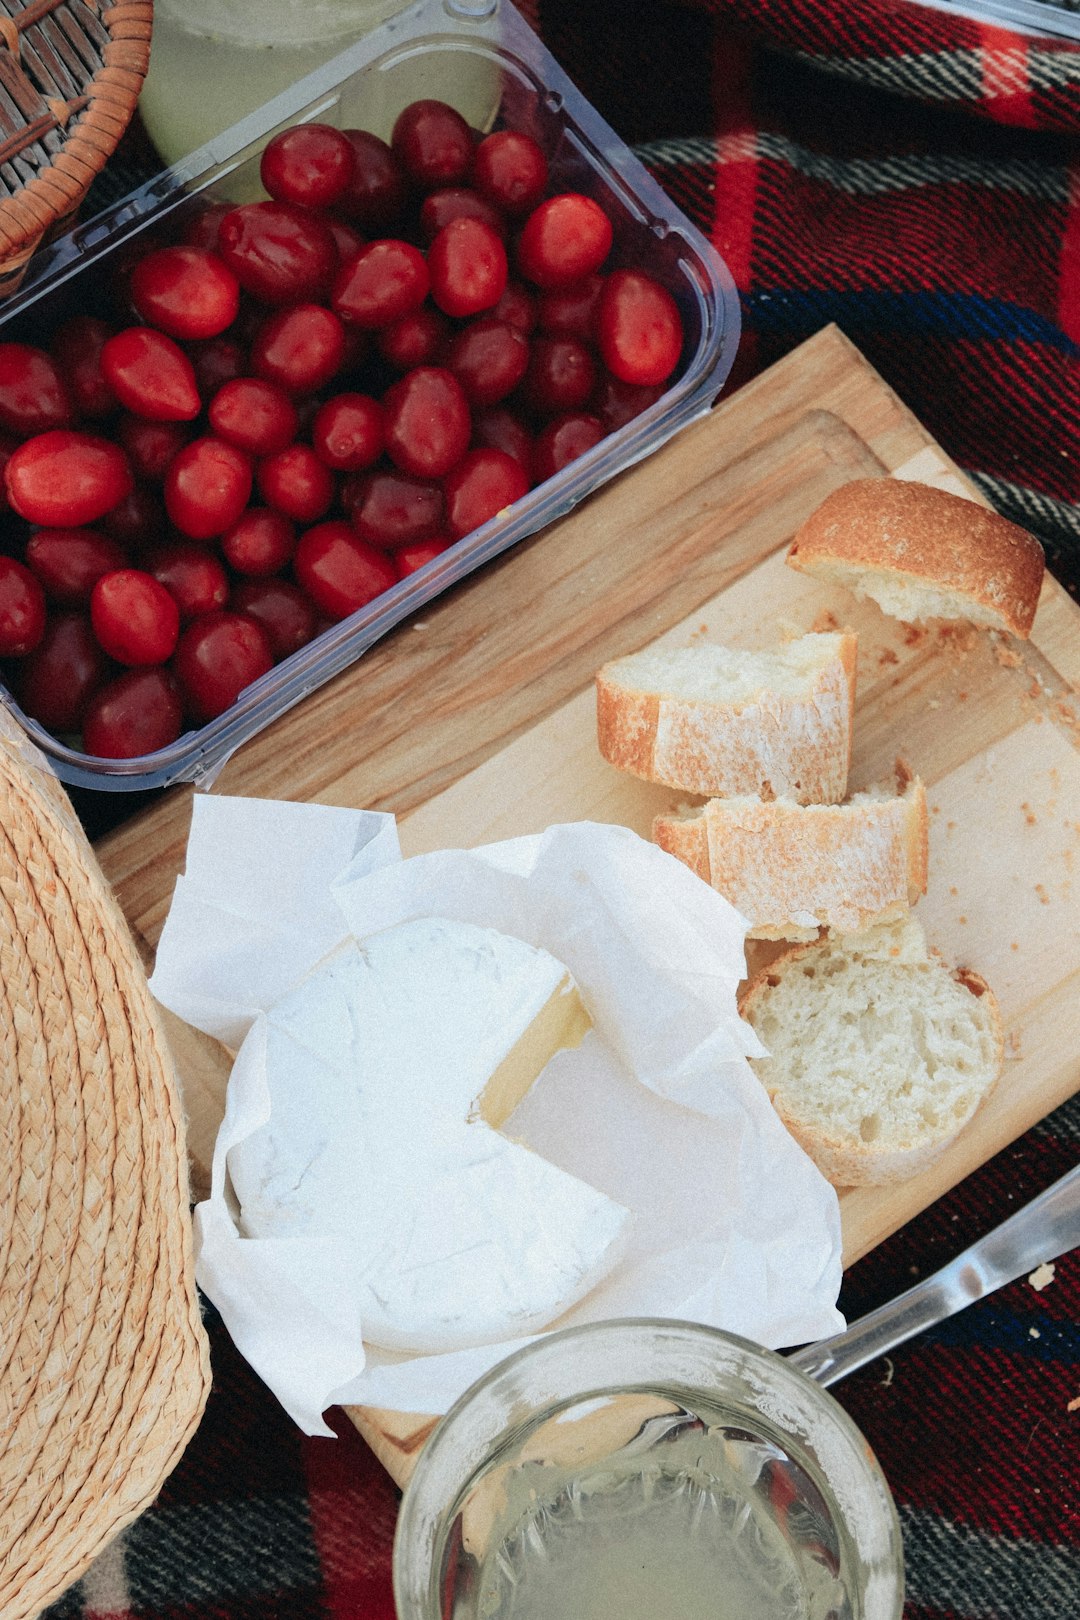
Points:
[920,553]
[712,720]
[792,869]
[878,1055]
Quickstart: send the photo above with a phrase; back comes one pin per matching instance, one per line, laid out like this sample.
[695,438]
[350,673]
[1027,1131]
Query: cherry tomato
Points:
[64,480]
[69,562]
[296,482]
[56,681]
[217,656]
[571,311]
[468,268]
[563,440]
[346,240]
[151,375]
[375,194]
[310,164]
[427,422]
[22,609]
[207,487]
[481,486]
[134,617]
[488,358]
[457,202]
[390,509]
[417,339]
[192,575]
[260,542]
[76,347]
[299,348]
[201,228]
[135,714]
[517,307]
[564,239]
[187,292]
[407,559]
[510,169]
[150,446]
[380,284]
[639,329]
[33,396]
[499,429]
[433,143]
[285,613]
[254,414]
[339,571]
[561,375]
[617,403]
[348,432]
[8,445]
[138,520]
[216,362]
[278,251]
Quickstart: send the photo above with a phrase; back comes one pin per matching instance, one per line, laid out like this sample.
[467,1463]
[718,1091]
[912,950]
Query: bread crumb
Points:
[960,638]
[1044,898]
[1014,946]
[1042,1276]
[1012,1045]
[1073,1405]
[887,656]
[961,697]
[934,703]
[950,826]
[825,622]
[935,809]
[913,635]
[961,919]
[953,889]
[1007,657]
[1066,713]
[1029,814]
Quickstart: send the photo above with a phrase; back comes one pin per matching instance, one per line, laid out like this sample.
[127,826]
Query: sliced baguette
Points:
[793,869]
[711,720]
[920,553]
[878,1055]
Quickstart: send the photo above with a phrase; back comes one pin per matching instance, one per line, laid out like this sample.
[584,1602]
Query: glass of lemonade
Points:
[640,1468]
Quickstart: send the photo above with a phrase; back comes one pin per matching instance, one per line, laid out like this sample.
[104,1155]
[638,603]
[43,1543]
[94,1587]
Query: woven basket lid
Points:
[70,75]
[104,1368]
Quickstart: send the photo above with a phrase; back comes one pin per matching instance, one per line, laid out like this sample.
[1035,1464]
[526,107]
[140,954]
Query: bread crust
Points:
[913,532]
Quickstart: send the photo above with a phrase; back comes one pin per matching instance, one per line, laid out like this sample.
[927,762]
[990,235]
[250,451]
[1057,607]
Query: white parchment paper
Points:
[732,1224]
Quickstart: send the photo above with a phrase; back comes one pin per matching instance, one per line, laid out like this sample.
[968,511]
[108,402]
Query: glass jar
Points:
[643,1467]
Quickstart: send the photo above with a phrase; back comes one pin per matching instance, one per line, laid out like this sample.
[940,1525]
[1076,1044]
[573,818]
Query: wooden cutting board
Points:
[475,721]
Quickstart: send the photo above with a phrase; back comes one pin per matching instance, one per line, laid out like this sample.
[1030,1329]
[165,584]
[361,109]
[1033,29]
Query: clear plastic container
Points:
[438,48]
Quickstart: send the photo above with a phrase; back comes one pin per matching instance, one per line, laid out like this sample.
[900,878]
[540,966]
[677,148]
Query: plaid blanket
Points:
[915,177]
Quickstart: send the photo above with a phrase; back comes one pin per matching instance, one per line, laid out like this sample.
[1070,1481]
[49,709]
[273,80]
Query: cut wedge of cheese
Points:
[391,1069]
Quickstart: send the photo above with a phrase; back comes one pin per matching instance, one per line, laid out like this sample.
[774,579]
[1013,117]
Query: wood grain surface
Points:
[475,721]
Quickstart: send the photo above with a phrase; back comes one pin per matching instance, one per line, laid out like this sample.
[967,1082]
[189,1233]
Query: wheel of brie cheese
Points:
[391,1070]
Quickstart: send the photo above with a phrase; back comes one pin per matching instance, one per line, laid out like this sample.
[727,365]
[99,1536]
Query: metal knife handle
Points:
[1047,1227]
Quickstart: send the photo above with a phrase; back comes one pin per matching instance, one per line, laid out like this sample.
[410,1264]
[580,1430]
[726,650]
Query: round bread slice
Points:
[921,553]
[878,1054]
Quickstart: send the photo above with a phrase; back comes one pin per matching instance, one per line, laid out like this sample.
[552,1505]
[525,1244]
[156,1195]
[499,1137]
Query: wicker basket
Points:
[103,1361]
[70,75]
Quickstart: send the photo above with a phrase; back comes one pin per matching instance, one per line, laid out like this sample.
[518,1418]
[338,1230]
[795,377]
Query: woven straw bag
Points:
[104,1368]
[70,75]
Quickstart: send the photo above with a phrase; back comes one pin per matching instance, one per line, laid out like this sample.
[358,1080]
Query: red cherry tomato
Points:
[296,482]
[193,577]
[346,240]
[407,559]
[8,445]
[22,609]
[639,329]
[510,169]
[390,509]
[260,542]
[561,375]
[348,432]
[134,617]
[417,339]
[138,520]
[499,429]
[380,284]
[480,487]
[563,440]
[571,311]
[427,422]
[339,571]
[254,415]
[617,403]
[278,251]
[187,292]
[56,681]
[150,446]
[375,194]
[64,480]
[151,375]
[218,655]
[69,562]
[433,143]
[33,396]
[488,358]
[76,347]
[136,714]
[300,348]
[457,202]
[564,239]
[216,362]
[285,613]
[310,164]
[517,307]
[201,227]
[468,267]
[207,487]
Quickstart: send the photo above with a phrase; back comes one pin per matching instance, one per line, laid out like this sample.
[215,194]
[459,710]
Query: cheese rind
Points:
[388,1069]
